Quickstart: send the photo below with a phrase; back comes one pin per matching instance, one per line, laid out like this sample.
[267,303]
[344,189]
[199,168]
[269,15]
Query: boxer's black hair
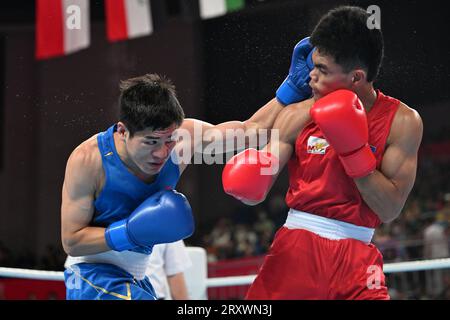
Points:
[343,33]
[149,102]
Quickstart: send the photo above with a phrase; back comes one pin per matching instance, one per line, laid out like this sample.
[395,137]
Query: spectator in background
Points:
[387,245]
[263,224]
[413,228]
[411,216]
[265,228]
[245,241]
[219,242]
[436,246]
[277,209]
[168,261]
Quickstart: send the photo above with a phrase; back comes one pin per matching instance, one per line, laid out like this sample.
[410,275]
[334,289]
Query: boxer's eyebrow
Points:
[320,66]
[159,138]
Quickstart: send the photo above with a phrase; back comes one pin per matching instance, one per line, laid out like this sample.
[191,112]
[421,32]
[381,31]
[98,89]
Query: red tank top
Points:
[318,183]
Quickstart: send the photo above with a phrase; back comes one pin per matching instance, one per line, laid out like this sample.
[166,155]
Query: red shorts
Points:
[303,265]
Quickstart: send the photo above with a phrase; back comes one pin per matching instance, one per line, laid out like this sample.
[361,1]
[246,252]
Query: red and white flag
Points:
[126,19]
[62,27]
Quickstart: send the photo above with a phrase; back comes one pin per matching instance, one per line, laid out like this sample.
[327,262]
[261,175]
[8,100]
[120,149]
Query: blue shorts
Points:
[101,281]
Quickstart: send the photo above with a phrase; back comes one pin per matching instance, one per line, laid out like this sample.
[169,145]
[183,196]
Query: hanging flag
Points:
[215,8]
[126,19]
[233,5]
[62,27]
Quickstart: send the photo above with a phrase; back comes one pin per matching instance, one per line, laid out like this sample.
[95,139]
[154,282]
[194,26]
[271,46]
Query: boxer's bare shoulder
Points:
[85,163]
[406,126]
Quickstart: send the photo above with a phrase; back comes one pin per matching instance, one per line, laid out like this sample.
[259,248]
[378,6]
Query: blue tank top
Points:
[123,192]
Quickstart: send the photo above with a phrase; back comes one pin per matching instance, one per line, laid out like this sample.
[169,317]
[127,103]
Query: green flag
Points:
[233,5]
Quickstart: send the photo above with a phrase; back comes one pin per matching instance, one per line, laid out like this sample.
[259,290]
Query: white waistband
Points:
[327,228]
[133,262]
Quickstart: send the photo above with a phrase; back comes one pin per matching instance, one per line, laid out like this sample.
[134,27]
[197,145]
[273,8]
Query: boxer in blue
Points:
[118,197]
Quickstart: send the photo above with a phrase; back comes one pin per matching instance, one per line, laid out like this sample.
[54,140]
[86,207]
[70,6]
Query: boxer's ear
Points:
[122,130]
[358,75]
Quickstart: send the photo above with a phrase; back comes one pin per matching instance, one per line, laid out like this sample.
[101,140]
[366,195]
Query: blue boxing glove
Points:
[164,217]
[296,87]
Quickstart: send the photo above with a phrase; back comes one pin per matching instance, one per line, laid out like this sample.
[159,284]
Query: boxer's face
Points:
[327,76]
[150,149]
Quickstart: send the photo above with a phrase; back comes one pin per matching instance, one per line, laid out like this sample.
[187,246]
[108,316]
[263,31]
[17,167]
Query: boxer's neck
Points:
[368,96]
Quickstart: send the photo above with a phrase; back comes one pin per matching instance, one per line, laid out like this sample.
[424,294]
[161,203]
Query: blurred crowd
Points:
[246,233]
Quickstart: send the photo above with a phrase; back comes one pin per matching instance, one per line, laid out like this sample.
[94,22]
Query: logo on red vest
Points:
[317,145]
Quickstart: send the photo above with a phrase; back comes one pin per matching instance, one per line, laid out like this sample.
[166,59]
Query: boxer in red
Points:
[351,153]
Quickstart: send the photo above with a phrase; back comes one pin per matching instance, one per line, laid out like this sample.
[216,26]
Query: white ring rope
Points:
[31,274]
[408,266]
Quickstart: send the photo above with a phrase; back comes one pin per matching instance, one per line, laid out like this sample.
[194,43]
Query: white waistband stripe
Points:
[327,228]
[132,262]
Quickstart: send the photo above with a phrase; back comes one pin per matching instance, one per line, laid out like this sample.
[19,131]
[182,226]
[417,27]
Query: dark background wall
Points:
[49,107]
[223,68]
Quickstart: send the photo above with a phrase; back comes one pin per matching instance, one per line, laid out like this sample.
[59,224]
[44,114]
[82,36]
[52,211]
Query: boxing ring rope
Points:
[408,266]
[31,274]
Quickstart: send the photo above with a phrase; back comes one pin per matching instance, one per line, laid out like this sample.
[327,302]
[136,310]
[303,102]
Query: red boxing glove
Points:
[342,119]
[248,175]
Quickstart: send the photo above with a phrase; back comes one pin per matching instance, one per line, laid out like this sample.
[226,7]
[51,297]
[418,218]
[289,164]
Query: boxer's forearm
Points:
[381,195]
[89,240]
[265,117]
[236,135]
